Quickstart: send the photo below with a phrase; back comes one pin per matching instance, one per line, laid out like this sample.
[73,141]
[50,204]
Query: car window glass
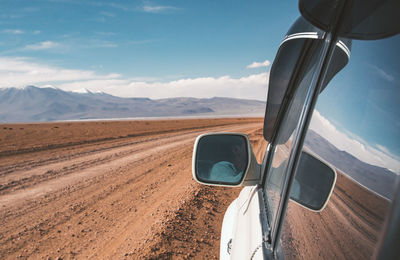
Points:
[275,181]
[296,47]
[355,128]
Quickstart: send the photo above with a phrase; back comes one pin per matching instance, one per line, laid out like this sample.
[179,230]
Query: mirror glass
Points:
[221,159]
[313,183]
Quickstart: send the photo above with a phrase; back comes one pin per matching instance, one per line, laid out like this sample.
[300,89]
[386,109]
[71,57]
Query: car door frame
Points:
[271,244]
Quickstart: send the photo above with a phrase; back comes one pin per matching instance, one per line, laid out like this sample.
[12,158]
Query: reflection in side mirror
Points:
[314,182]
[221,159]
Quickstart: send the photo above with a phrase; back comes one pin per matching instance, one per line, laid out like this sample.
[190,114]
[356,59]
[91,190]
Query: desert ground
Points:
[348,227]
[124,190]
[111,189]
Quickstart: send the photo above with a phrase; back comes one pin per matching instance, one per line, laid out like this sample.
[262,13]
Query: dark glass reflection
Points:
[364,20]
[356,129]
[221,159]
[313,182]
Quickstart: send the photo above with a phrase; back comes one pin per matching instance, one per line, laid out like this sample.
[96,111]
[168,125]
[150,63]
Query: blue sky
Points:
[143,48]
[359,109]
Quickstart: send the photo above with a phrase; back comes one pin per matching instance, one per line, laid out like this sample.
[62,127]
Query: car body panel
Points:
[247,239]
[227,231]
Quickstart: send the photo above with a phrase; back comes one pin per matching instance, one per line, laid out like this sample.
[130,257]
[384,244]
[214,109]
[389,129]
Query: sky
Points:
[155,49]
[203,49]
[359,111]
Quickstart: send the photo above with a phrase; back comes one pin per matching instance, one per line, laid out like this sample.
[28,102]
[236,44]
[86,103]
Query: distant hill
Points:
[33,104]
[376,178]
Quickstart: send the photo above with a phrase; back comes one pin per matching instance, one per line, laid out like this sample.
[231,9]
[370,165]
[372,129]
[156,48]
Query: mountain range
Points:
[33,104]
[378,179]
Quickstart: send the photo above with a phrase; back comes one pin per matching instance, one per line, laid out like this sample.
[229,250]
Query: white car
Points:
[328,186]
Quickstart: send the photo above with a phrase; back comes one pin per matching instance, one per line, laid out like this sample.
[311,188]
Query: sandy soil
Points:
[348,228]
[110,190]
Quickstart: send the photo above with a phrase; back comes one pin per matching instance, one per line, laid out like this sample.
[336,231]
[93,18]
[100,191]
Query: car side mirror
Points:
[225,159]
[313,183]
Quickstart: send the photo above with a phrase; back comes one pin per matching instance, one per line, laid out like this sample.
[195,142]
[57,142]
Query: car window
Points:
[277,175]
[293,76]
[355,128]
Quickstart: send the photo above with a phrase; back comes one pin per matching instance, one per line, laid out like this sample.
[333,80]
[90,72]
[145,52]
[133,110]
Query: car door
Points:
[360,139]
[355,127]
[295,81]
[307,61]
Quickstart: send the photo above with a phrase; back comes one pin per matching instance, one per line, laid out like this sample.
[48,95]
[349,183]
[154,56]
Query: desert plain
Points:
[124,190]
[111,189]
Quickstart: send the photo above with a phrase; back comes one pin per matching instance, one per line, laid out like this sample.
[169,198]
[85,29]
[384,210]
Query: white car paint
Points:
[242,220]
[227,230]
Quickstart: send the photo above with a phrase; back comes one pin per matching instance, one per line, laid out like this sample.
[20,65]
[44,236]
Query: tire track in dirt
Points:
[111,208]
[85,166]
[80,150]
[64,165]
[4,153]
[195,226]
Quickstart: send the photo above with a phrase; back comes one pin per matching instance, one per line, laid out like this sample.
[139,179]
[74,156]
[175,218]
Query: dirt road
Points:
[348,228]
[78,190]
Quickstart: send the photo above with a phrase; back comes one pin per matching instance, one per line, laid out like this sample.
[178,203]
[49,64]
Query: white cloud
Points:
[255,64]
[103,44]
[42,46]
[386,76]
[158,9]
[250,87]
[118,6]
[354,145]
[18,31]
[19,72]
[13,31]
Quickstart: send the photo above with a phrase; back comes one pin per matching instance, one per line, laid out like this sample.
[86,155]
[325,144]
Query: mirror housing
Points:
[364,20]
[313,183]
[225,159]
